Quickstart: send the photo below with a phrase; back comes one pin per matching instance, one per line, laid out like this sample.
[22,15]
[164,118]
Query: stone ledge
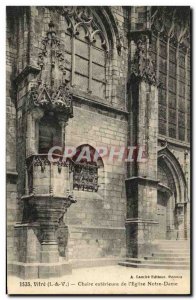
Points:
[11,173]
[173,141]
[90,101]
[139,220]
[164,189]
[19,224]
[142,180]
[52,196]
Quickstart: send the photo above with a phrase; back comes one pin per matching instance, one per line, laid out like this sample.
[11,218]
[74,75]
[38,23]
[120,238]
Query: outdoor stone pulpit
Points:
[45,203]
[46,177]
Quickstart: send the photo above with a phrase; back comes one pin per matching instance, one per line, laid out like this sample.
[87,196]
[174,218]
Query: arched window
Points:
[88,169]
[86,48]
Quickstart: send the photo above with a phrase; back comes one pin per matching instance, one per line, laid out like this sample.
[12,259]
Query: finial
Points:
[51,31]
[51,25]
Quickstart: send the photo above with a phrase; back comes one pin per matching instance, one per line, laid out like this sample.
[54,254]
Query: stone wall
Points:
[103,213]
[11,190]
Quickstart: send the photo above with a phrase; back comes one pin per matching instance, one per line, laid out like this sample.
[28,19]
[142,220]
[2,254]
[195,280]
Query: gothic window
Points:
[49,133]
[162,119]
[87,172]
[181,91]
[174,96]
[171,46]
[86,47]
[162,90]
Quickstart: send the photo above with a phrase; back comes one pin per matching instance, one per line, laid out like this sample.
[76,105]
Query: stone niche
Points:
[48,194]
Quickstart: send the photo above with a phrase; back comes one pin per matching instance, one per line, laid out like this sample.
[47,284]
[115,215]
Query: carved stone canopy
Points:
[51,54]
[59,100]
[50,91]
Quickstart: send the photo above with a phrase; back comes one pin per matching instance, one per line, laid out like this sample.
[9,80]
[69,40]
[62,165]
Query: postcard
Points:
[98,150]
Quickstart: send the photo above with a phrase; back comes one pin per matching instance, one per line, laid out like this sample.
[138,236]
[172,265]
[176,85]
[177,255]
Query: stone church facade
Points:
[95,76]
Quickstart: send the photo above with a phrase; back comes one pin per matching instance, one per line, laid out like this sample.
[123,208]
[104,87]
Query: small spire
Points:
[51,25]
[51,31]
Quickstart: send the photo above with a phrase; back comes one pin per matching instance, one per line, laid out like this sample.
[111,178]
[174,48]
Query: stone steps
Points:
[163,262]
[154,266]
[169,258]
[175,251]
[177,245]
[172,242]
[174,247]
[168,255]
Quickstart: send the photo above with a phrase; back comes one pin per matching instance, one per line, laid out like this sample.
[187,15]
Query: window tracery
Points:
[171,51]
[86,48]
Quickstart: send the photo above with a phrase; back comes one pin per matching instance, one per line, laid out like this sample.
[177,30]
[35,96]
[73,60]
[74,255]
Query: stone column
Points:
[49,247]
[141,215]
[141,184]
[180,215]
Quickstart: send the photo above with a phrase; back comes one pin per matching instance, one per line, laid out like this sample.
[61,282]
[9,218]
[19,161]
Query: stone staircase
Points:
[167,254]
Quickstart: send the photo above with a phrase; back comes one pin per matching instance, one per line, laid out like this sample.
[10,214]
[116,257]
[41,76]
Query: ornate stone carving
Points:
[51,91]
[51,53]
[59,100]
[42,160]
[164,144]
[142,66]
[46,207]
[173,23]
[78,16]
